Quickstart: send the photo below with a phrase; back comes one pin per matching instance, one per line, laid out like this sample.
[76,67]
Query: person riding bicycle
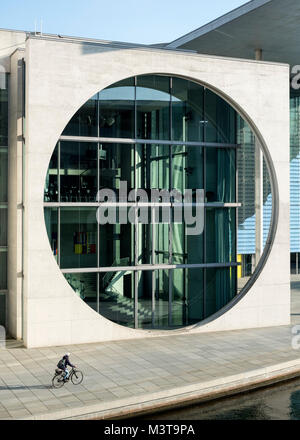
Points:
[64,363]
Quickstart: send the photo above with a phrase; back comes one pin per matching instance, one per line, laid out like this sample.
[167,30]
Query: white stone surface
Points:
[15,197]
[10,41]
[60,78]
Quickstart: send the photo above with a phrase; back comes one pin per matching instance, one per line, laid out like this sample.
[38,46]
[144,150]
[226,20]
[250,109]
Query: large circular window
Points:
[147,267]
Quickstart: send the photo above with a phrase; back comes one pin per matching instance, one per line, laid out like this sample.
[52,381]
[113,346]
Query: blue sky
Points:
[139,21]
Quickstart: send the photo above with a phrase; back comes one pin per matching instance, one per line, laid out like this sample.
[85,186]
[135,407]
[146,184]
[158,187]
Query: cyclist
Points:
[64,363]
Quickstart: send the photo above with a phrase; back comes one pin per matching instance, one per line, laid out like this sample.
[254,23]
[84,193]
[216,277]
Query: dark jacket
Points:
[67,362]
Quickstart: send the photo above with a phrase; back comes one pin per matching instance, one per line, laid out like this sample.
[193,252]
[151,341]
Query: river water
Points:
[279,402]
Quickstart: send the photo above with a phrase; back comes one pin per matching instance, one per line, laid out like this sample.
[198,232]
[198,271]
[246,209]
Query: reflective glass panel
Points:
[220,175]
[220,288]
[78,172]
[78,238]
[3,269]
[3,226]
[187,249]
[152,167]
[220,119]
[153,107]
[162,254]
[117,110]
[116,291]
[116,164]
[220,235]
[144,292]
[51,186]
[51,220]
[144,238]
[2,310]
[187,111]
[161,280]
[85,121]
[187,296]
[3,174]
[187,167]
[85,286]
[3,109]
[117,241]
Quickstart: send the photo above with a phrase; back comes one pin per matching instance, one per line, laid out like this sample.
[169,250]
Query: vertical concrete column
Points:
[15,196]
[258,54]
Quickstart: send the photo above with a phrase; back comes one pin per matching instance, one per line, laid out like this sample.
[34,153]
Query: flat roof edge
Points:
[176,52]
[218,22]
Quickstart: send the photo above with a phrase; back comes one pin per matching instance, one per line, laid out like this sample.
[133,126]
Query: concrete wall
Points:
[63,76]
[9,42]
[15,196]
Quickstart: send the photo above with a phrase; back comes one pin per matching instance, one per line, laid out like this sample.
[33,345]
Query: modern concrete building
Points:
[209,112]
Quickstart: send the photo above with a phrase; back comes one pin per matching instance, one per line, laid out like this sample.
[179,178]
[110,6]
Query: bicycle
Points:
[58,381]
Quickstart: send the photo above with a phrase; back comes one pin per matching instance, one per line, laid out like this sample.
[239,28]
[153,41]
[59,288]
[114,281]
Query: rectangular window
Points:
[152,167]
[220,288]
[117,241]
[51,220]
[153,107]
[187,111]
[144,293]
[187,296]
[220,119]
[85,286]
[220,175]
[51,186]
[85,121]
[144,237]
[78,172]
[2,311]
[78,238]
[3,109]
[3,225]
[116,165]
[187,249]
[162,288]
[3,173]
[220,235]
[116,297]
[187,167]
[3,269]
[294,269]
[117,110]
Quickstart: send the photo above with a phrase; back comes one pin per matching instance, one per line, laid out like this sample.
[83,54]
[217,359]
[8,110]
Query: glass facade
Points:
[156,133]
[295,180]
[247,160]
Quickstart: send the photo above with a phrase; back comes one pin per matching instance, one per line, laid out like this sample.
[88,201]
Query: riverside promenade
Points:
[128,378]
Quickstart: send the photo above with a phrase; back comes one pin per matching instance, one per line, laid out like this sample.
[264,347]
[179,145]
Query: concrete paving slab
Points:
[133,375]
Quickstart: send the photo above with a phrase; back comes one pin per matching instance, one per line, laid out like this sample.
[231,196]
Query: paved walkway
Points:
[132,374]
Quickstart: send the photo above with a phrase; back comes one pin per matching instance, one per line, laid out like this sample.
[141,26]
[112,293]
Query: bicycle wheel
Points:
[77,377]
[57,381]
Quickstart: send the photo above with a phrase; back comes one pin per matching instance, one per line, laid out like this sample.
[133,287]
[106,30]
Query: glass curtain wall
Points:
[154,133]
[251,163]
[295,180]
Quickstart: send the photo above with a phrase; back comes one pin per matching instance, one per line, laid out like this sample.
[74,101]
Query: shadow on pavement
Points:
[23,387]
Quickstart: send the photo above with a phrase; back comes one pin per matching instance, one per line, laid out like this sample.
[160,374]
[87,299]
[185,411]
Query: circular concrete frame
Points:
[275,203]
